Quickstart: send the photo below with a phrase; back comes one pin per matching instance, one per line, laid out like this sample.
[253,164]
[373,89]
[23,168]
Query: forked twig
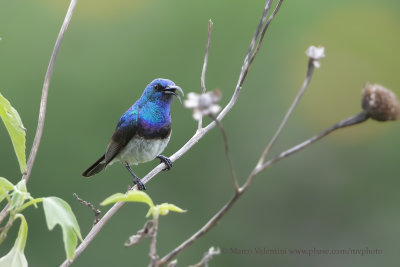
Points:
[91,206]
[310,70]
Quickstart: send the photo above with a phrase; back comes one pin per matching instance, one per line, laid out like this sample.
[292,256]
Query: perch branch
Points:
[189,144]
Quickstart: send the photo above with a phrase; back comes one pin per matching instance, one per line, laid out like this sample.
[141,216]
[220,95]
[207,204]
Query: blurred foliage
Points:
[339,193]
[56,211]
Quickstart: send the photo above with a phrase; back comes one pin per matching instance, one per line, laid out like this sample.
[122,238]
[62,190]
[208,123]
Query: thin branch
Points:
[189,144]
[356,119]
[4,213]
[45,91]
[96,212]
[146,231]
[278,6]
[95,230]
[203,230]
[6,228]
[207,257]
[153,244]
[43,101]
[310,70]
[203,72]
[227,154]
[361,117]
[247,62]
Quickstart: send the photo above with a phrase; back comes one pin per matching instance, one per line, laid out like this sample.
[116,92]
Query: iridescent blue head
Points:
[161,91]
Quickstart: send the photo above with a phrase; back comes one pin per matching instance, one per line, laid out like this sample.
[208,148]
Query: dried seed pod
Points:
[380,103]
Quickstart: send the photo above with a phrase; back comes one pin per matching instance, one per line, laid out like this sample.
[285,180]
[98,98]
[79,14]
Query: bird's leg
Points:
[166,161]
[136,179]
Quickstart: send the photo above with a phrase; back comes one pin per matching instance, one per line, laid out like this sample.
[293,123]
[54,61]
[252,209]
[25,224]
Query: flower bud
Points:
[203,104]
[315,53]
[380,103]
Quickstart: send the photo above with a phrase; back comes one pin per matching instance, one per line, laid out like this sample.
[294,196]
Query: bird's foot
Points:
[166,161]
[139,184]
[136,180]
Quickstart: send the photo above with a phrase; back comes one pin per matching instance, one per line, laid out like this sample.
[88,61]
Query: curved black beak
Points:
[171,90]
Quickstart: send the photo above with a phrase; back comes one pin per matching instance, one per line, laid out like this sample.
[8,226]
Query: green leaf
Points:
[131,196]
[15,129]
[19,196]
[5,186]
[57,211]
[163,209]
[16,256]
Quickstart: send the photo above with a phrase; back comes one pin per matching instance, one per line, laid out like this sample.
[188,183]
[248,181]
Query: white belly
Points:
[140,150]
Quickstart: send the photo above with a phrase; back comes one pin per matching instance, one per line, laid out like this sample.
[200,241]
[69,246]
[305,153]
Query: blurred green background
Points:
[339,193]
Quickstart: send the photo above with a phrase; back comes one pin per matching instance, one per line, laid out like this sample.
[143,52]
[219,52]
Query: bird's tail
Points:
[96,167]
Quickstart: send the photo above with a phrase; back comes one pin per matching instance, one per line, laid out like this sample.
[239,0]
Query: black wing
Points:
[119,140]
[125,130]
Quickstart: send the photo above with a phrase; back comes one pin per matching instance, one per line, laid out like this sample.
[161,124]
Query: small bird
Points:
[142,132]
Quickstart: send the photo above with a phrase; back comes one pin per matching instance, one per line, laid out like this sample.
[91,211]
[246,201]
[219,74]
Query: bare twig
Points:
[203,230]
[91,206]
[153,244]
[4,213]
[207,257]
[142,233]
[203,72]
[173,263]
[45,90]
[6,228]
[247,62]
[356,119]
[43,101]
[306,82]
[189,144]
[278,6]
[227,154]
[253,53]
[359,118]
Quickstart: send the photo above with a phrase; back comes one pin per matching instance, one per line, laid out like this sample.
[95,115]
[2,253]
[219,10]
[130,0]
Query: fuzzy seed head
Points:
[380,103]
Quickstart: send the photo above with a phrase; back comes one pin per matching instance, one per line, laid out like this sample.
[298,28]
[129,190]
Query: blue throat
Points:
[152,117]
[155,119]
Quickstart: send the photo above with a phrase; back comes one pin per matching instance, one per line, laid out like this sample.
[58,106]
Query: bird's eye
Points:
[158,87]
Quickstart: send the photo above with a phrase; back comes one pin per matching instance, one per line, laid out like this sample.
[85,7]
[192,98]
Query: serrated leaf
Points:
[5,186]
[15,129]
[131,196]
[16,256]
[57,211]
